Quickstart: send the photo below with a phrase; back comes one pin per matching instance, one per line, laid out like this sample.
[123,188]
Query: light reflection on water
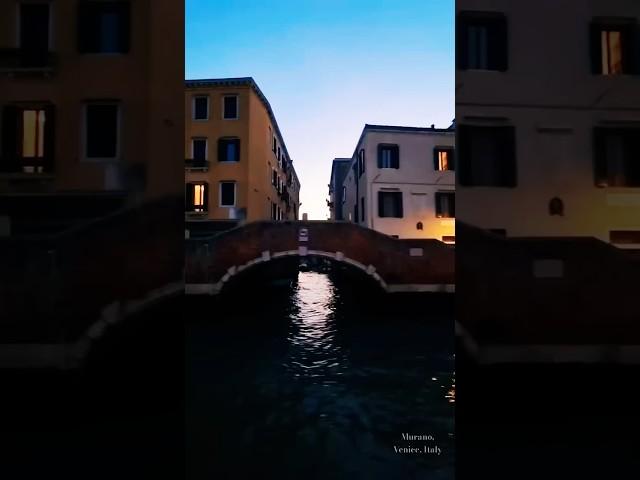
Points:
[314,351]
[314,383]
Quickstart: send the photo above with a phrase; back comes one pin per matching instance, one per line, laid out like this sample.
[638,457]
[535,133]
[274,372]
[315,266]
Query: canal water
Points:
[315,378]
[318,376]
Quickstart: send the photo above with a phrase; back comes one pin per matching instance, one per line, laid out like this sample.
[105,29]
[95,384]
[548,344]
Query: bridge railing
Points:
[54,287]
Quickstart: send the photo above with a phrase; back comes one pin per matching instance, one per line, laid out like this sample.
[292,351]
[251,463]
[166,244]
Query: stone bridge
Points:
[419,265]
[59,293]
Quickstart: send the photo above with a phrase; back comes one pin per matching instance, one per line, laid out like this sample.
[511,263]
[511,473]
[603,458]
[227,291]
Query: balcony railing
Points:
[196,164]
[24,61]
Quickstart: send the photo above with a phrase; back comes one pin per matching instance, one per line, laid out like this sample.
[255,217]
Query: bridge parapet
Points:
[399,265]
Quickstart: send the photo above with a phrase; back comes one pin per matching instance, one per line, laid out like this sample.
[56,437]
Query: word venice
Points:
[423,449]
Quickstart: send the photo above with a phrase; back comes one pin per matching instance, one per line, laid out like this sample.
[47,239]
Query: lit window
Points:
[443,159]
[611,44]
[198,197]
[33,124]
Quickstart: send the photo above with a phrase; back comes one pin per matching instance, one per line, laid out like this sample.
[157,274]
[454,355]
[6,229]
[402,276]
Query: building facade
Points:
[237,166]
[549,139]
[339,170]
[401,182]
[90,115]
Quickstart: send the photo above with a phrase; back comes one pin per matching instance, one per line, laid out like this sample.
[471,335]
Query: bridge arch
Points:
[268,257]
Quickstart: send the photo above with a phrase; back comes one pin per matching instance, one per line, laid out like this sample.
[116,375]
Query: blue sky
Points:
[328,67]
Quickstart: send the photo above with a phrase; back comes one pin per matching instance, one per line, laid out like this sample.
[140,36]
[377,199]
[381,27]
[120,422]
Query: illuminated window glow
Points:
[611,42]
[198,197]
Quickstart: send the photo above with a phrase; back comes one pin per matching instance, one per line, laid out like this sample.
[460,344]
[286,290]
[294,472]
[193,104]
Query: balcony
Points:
[18,61]
[196,165]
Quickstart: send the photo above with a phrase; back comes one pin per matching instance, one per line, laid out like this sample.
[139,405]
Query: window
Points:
[201,108]
[102,131]
[34,33]
[196,197]
[230,107]
[487,156]
[229,150]
[355,212]
[445,205]
[274,177]
[199,148]
[481,41]
[443,159]
[275,144]
[361,165]
[227,194]
[27,139]
[274,211]
[344,194]
[388,156]
[390,204]
[103,27]
[613,46]
[362,209]
[617,154]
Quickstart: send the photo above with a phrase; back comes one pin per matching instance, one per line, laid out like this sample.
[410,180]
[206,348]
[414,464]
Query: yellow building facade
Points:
[237,166]
[91,107]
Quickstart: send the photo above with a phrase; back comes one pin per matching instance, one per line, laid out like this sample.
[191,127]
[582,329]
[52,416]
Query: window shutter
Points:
[508,161]
[399,208]
[452,159]
[502,49]
[438,198]
[595,48]
[462,43]
[49,138]
[123,10]
[205,197]
[599,157]
[222,150]
[363,159]
[379,156]
[498,45]
[436,160]
[380,205]
[9,137]
[631,49]
[188,197]
[452,205]
[237,142]
[463,139]
[88,34]
[395,162]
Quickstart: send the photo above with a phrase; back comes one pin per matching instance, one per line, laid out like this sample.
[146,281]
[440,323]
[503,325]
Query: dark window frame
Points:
[504,137]
[398,207]
[195,107]
[630,38]
[236,107]
[451,212]
[221,193]
[222,149]
[99,135]
[394,159]
[497,40]
[88,22]
[630,138]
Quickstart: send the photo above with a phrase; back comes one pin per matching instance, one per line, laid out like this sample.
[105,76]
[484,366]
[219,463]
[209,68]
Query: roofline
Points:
[338,160]
[250,82]
[398,129]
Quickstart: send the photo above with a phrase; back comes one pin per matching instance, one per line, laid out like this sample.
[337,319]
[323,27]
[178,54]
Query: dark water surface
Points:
[317,380]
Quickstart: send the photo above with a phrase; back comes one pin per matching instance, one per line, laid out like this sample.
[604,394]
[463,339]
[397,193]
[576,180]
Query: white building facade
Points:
[401,182]
[549,138]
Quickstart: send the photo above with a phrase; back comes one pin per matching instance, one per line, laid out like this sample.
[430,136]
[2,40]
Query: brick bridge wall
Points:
[208,260]
[592,300]
[53,288]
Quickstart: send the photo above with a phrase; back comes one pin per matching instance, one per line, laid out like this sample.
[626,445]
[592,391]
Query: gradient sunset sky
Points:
[328,67]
